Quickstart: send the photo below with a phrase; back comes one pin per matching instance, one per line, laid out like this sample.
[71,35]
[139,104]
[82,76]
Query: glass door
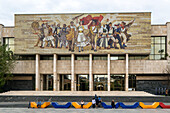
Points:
[100,82]
[65,82]
[82,82]
[117,82]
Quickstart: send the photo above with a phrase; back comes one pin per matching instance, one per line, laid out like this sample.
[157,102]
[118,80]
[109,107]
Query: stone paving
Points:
[76,93]
[52,110]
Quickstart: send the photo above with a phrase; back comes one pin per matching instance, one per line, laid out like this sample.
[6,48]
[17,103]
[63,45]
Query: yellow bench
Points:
[44,105]
[77,106]
[153,106]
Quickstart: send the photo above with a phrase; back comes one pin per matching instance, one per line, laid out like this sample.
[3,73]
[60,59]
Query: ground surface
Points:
[100,110]
[76,93]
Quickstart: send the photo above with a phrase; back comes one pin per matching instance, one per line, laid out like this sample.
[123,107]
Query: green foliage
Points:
[7,62]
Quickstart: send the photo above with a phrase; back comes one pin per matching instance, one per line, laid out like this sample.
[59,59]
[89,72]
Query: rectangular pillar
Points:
[55,80]
[72,73]
[127,73]
[90,73]
[108,72]
[37,73]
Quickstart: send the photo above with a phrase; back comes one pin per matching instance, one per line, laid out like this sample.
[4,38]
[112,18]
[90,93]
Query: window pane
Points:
[11,48]
[157,49]
[114,58]
[152,40]
[163,57]
[11,41]
[157,57]
[157,40]
[121,58]
[152,49]
[137,57]
[144,57]
[131,58]
[163,49]
[151,57]
[163,39]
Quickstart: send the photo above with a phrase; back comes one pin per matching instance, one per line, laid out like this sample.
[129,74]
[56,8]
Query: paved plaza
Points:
[77,93]
[52,110]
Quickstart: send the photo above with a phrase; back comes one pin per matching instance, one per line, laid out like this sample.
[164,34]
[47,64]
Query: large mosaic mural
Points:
[83,33]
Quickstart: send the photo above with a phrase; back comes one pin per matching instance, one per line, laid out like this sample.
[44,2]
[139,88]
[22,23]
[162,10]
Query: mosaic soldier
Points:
[117,35]
[57,35]
[82,40]
[71,36]
[64,32]
[93,32]
[124,38]
[112,40]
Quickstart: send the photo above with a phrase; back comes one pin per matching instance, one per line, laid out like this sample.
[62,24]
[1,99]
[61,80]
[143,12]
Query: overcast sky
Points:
[160,8]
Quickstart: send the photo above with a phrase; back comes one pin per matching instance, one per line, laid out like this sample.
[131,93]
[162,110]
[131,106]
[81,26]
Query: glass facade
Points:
[46,57]
[132,81]
[99,57]
[120,57]
[158,48]
[64,57]
[138,57]
[25,57]
[100,82]
[65,82]
[117,82]
[81,57]
[82,82]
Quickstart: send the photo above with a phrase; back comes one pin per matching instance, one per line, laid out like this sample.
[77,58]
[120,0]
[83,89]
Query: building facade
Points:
[141,66]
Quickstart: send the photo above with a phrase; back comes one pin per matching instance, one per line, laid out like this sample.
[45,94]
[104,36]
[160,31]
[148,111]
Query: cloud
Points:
[8,8]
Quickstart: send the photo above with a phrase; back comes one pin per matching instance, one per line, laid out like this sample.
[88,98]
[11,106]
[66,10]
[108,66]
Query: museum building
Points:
[88,71]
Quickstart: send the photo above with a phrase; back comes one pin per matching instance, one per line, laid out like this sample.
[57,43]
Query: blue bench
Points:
[56,105]
[129,106]
[109,106]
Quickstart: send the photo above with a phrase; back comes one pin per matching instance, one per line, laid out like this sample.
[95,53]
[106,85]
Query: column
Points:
[90,73]
[108,71]
[126,76]
[37,73]
[55,84]
[72,73]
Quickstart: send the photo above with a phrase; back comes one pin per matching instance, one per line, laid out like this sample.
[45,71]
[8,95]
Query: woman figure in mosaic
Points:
[82,40]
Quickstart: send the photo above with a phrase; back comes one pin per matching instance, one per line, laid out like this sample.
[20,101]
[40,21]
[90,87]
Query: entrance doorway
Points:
[117,82]
[82,82]
[65,82]
[100,82]
[47,82]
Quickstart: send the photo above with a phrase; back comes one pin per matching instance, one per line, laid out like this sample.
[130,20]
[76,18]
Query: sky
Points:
[160,8]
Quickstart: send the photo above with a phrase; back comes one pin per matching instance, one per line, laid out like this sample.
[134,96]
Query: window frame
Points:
[160,44]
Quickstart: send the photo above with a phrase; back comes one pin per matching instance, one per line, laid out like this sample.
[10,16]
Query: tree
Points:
[7,62]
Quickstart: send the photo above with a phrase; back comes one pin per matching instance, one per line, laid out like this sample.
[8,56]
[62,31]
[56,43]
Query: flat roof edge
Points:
[79,13]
